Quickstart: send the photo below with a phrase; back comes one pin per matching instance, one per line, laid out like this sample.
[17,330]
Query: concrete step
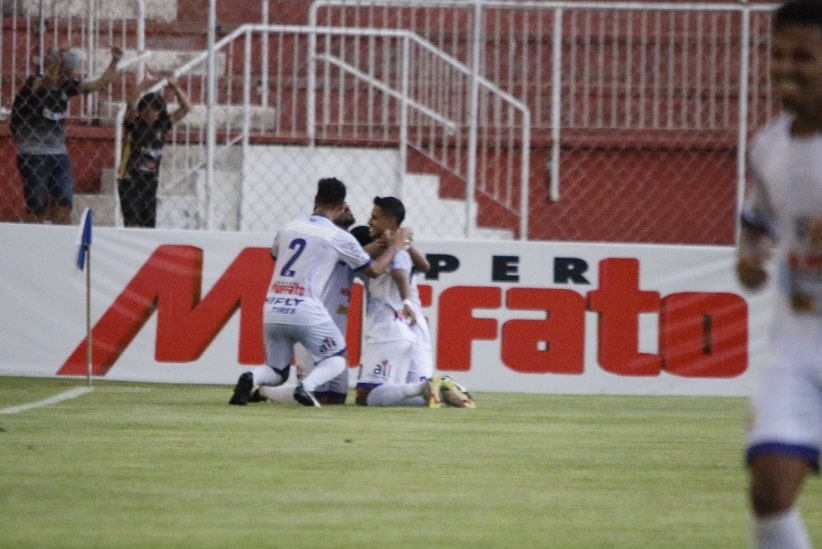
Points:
[102,206]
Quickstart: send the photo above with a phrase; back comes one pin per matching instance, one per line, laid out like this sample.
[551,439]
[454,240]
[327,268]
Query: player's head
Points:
[345,219]
[796,56]
[363,234]
[330,193]
[150,106]
[388,213]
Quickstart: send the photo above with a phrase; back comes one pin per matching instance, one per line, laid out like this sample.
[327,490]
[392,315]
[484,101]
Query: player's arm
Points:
[753,251]
[420,262]
[379,265]
[756,238]
[400,278]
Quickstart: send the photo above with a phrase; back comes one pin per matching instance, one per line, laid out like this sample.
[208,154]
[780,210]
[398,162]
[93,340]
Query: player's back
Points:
[307,252]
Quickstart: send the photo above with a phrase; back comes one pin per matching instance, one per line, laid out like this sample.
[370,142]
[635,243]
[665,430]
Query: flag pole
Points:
[84,264]
[88,314]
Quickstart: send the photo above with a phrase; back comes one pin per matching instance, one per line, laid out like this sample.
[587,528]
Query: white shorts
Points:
[384,362]
[321,340]
[786,410]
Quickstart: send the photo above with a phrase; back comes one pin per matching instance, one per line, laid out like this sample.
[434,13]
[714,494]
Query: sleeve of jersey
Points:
[351,252]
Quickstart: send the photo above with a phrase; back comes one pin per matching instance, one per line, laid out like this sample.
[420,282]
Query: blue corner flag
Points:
[84,238]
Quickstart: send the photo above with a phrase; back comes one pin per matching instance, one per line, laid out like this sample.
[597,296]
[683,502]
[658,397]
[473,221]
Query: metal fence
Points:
[574,120]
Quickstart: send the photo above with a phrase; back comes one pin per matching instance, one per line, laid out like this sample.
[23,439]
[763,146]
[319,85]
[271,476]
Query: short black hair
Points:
[363,234]
[392,207]
[153,101]
[330,192]
[798,12]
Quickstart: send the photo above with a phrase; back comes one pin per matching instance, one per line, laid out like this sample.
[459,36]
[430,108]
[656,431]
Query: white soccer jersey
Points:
[384,320]
[337,298]
[307,252]
[786,198]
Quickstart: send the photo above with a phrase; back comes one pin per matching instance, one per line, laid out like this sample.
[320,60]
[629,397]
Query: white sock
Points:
[281,393]
[324,372]
[390,394]
[783,531]
[265,375]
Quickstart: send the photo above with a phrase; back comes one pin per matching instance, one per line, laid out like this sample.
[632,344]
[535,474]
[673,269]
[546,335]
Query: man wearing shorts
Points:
[38,123]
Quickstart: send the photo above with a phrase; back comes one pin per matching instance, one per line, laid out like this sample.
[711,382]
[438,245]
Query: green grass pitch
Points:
[153,465]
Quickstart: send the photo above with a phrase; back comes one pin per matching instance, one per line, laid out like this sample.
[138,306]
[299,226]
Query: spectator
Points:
[38,125]
[147,120]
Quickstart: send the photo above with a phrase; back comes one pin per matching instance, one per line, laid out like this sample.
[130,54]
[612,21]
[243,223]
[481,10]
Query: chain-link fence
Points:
[584,121]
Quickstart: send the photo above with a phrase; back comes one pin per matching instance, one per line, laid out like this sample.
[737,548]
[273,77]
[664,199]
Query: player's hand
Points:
[751,273]
[408,313]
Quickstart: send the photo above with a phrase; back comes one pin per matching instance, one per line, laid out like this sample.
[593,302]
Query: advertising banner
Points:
[505,316]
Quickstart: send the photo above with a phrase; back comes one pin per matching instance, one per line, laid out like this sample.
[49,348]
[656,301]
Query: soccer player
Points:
[337,300]
[394,369]
[307,251]
[784,206]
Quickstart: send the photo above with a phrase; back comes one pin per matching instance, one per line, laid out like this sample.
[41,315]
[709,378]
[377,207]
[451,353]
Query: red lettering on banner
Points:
[171,281]
[700,334]
[457,327]
[561,335]
[704,335]
[619,301]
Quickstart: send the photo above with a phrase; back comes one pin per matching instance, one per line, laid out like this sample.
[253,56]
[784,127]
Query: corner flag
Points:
[84,238]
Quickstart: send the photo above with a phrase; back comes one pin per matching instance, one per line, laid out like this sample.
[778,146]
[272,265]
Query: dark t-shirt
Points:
[143,147]
[38,119]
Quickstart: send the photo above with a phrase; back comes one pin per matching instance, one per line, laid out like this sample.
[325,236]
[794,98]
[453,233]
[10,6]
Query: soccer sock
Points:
[281,393]
[266,375]
[323,372]
[782,531]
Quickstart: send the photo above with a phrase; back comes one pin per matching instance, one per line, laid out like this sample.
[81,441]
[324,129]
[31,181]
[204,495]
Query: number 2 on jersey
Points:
[297,244]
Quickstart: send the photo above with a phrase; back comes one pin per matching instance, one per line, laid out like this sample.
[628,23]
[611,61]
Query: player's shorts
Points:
[385,362]
[322,341]
[45,176]
[786,407]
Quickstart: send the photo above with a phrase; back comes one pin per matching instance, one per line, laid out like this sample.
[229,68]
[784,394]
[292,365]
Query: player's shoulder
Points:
[777,128]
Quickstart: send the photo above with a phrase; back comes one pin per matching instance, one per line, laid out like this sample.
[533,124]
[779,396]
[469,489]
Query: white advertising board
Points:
[538,317]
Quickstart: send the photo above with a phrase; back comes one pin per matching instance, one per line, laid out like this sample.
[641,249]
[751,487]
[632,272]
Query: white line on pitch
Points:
[71,393]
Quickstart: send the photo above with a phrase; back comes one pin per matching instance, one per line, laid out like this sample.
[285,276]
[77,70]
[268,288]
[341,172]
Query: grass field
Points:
[150,465]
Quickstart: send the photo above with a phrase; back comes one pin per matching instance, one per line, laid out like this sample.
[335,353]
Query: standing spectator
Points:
[307,251]
[147,120]
[38,124]
[784,206]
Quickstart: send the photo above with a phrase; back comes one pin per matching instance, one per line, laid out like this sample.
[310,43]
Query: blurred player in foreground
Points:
[784,206]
